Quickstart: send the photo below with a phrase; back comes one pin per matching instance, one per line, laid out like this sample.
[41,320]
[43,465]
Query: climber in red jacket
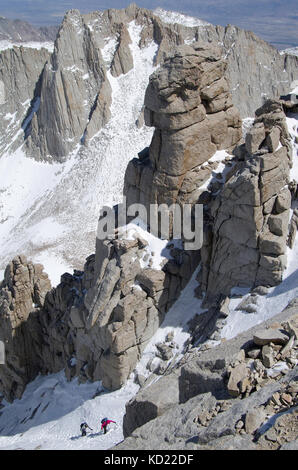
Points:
[104,424]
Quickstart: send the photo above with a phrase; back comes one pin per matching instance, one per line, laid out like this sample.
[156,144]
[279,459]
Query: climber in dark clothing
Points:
[84,427]
[104,424]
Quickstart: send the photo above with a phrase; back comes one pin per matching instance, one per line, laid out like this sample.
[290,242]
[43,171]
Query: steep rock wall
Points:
[74,92]
[20,72]
[22,294]
[251,214]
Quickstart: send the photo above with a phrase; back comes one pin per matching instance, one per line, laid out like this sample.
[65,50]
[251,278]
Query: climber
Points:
[104,424]
[84,427]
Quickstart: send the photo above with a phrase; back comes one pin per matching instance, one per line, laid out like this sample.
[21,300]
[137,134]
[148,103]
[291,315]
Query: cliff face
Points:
[74,92]
[256,71]
[20,72]
[22,293]
[95,324]
[251,214]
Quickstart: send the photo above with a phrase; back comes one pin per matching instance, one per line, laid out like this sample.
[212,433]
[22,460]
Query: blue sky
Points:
[274,20]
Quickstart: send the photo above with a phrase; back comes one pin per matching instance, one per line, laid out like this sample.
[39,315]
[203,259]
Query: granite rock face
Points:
[22,294]
[74,92]
[122,61]
[251,214]
[256,71]
[20,74]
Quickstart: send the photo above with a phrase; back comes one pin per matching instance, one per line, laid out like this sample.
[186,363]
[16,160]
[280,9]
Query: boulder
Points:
[267,355]
[270,335]
[283,201]
[278,224]
[149,404]
[152,280]
[254,419]
[238,374]
[164,351]
[224,308]
[291,326]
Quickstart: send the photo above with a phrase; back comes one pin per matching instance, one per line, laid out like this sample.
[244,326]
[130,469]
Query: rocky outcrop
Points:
[74,92]
[189,104]
[269,73]
[251,214]
[271,351]
[255,70]
[293,228]
[110,311]
[96,323]
[205,422]
[22,295]
[122,61]
[20,72]
[114,316]
[203,414]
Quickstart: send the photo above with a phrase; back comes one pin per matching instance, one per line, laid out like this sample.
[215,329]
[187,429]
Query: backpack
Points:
[104,420]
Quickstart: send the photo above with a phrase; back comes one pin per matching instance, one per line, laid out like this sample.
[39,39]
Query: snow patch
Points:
[292,123]
[219,157]
[173,17]
[30,44]
[74,69]
[176,322]
[46,418]
[157,251]
[108,51]
[290,50]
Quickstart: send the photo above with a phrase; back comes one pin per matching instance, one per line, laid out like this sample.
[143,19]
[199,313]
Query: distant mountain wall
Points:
[20,73]
[22,31]
[74,95]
